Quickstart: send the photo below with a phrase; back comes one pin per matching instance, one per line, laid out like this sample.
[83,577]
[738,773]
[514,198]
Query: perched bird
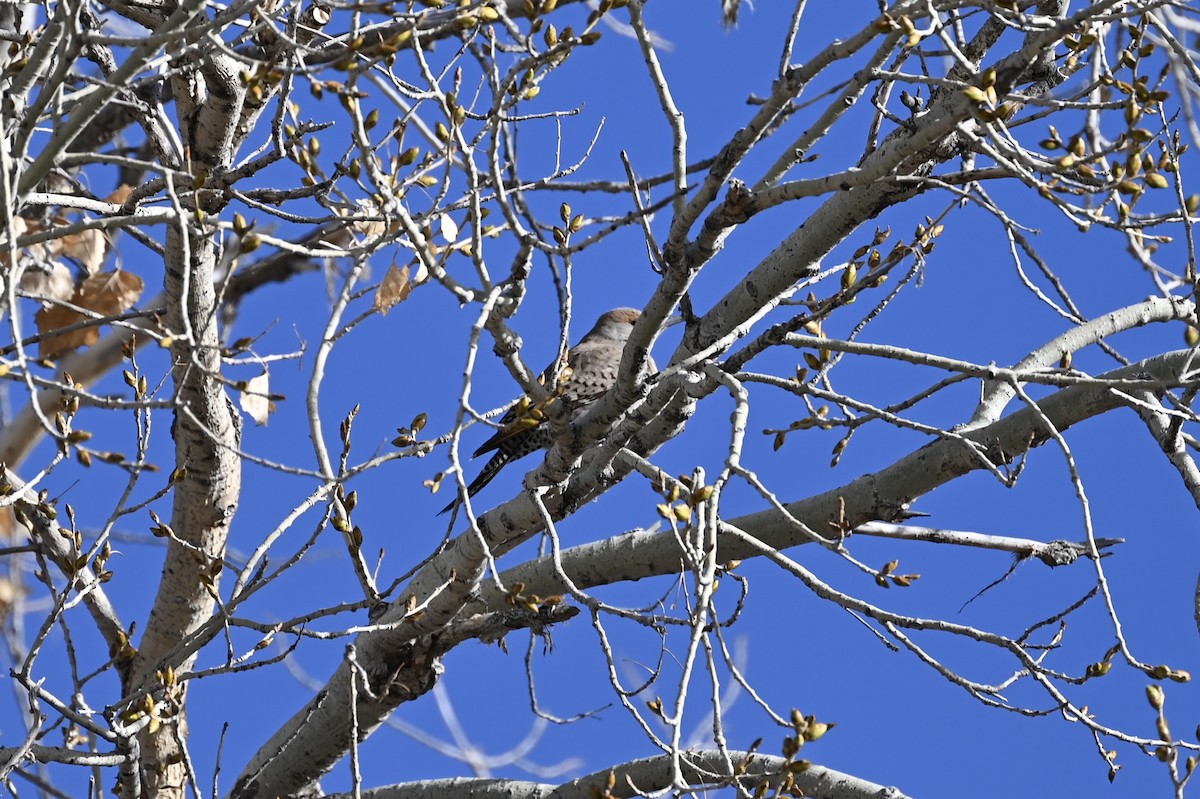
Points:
[593,364]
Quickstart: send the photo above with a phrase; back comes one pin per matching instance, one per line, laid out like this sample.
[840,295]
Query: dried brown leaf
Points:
[369,228]
[56,317]
[105,294]
[394,289]
[88,247]
[55,284]
[120,195]
[44,251]
[7,524]
[110,293]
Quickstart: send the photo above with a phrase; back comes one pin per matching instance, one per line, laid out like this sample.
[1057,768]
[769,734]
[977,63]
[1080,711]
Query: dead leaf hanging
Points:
[105,294]
[394,289]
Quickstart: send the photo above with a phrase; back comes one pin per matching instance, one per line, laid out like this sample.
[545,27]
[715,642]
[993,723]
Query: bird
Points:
[592,367]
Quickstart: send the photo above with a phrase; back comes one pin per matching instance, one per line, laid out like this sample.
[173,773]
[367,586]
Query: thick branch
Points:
[206,428]
[385,671]
[637,555]
[652,774]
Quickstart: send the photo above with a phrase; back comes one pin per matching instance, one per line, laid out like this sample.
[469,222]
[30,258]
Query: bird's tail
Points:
[489,471]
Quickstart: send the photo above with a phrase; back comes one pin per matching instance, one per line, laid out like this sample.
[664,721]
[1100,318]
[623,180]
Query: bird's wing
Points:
[593,368]
[512,425]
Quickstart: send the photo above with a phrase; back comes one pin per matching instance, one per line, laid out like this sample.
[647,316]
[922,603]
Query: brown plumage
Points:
[594,363]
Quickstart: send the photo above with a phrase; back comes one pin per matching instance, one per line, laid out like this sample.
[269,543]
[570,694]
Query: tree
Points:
[440,167]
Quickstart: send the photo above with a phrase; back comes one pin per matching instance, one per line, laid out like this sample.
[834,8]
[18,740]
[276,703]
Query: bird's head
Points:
[615,324]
